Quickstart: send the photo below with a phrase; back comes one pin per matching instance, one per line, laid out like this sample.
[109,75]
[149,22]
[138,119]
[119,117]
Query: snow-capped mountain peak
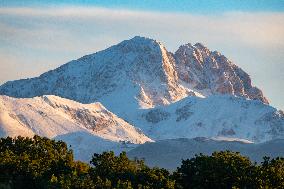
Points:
[210,72]
[141,73]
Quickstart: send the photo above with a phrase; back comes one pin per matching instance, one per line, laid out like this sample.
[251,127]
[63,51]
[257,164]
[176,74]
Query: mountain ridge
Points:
[51,116]
[144,68]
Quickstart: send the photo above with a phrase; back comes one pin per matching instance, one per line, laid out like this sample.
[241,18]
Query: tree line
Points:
[43,163]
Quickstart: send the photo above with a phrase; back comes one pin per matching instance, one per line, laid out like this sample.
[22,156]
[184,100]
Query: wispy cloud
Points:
[53,34]
[248,28]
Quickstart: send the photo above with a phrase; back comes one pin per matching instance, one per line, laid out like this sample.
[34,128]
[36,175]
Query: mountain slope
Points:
[169,153]
[52,116]
[140,70]
[139,73]
[85,144]
[216,115]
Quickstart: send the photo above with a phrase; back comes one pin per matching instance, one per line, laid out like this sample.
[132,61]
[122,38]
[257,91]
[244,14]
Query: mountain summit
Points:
[212,73]
[141,73]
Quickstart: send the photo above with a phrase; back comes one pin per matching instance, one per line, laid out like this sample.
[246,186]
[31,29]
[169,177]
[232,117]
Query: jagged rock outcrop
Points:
[212,73]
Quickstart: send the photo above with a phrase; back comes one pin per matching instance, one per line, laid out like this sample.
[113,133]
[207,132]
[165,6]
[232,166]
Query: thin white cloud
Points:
[251,28]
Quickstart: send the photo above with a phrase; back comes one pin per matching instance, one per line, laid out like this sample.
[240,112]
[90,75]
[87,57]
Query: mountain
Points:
[141,73]
[216,115]
[52,116]
[169,153]
[137,92]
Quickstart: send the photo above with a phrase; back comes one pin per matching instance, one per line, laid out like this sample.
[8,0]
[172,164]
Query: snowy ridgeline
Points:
[141,73]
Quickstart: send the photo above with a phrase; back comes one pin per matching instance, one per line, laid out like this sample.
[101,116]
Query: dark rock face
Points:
[156,115]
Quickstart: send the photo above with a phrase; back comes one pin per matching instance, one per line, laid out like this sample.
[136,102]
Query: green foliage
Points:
[39,162]
[125,173]
[229,170]
[272,173]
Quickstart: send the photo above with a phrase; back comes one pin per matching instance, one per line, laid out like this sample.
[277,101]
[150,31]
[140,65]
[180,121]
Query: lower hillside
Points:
[168,153]
[39,162]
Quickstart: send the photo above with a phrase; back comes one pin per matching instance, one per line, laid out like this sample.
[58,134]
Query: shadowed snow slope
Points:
[214,116]
[84,145]
[51,116]
[169,153]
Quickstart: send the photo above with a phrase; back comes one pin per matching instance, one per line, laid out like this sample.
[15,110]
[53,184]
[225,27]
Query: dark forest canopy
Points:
[39,162]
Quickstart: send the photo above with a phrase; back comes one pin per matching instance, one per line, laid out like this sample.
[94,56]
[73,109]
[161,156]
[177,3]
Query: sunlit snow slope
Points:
[52,116]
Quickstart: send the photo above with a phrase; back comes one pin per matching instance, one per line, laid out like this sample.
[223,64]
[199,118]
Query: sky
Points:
[36,36]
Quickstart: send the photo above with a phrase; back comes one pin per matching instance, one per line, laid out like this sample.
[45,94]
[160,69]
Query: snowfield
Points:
[214,116]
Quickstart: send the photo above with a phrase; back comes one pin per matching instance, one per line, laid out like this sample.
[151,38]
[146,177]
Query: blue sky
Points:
[36,36]
[193,6]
